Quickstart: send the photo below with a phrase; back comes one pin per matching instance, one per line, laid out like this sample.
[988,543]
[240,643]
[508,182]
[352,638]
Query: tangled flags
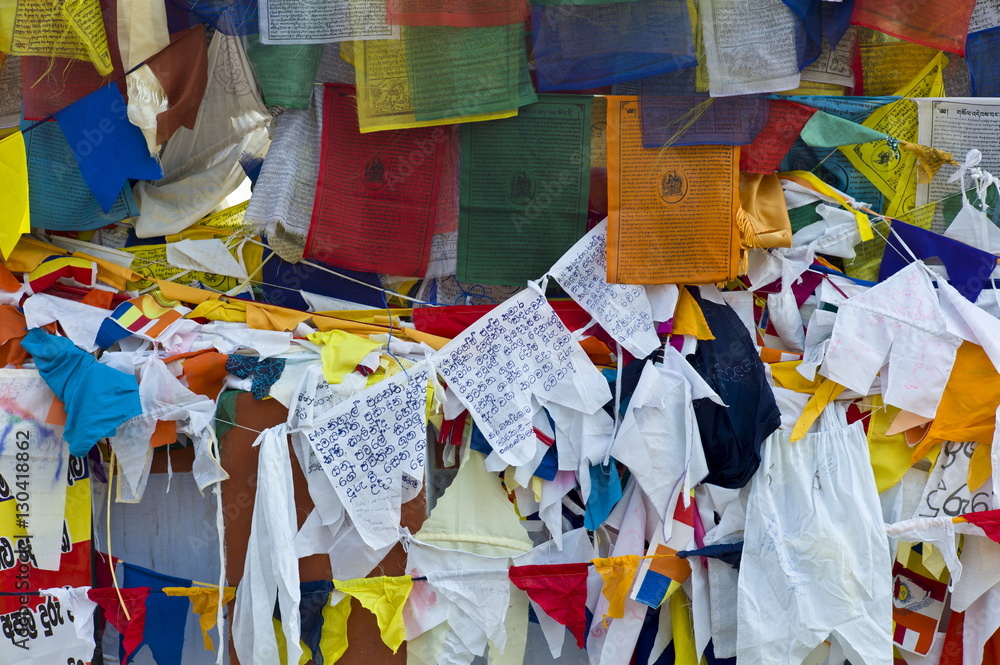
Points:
[146,316]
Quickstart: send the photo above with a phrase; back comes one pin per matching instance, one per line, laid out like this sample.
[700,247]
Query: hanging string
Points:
[889,244]
[249,281]
[232,424]
[252,240]
[813,169]
[388,346]
[618,398]
[366,284]
[415,578]
[111,560]
[38,592]
[52,116]
[423,578]
[221,530]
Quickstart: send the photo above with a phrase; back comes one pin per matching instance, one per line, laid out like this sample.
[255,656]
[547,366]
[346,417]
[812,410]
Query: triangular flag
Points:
[166,92]
[479,601]
[204,603]
[130,625]
[829,131]
[166,616]
[969,268]
[559,589]
[617,573]
[785,121]
[145,316]
[323,626]
[384,597]
[107,147]
[333,632]
[988,521]
[14,193]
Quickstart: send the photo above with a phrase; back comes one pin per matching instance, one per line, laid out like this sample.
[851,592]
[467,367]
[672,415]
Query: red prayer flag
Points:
[940,25]
[50,84]
[953,653]
[130,628]
[560,590]
[988,521]
[376,195]
[785,121]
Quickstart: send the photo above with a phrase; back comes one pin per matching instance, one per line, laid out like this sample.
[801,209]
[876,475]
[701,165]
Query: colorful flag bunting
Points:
[559,589]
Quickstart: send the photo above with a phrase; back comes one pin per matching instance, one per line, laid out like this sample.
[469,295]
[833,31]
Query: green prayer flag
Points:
[285,72]
[466,71]
[829,131]
[525,184]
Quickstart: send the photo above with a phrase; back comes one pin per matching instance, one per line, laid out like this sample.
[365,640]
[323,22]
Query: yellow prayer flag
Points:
[204,603]
[333,638]
[8,10]
[618,572]
[274,318]
[685,652]
[14,193]
[889,63]
[812,181]
[980,467]
[111,273]
[384,597]
[219,310]
[889,454]
[763,215]
[279,639]
[341,352]
[890,169]
[786,375]
[929,160]
[67,29]
[688,317]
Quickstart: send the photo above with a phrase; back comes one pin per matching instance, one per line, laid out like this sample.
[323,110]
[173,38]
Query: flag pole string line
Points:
[418,578]
[52,116]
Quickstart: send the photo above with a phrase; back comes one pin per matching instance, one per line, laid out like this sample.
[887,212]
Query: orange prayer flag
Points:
[671,211]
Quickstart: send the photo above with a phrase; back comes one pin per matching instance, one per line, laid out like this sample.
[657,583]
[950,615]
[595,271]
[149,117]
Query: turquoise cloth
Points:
[97,398]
